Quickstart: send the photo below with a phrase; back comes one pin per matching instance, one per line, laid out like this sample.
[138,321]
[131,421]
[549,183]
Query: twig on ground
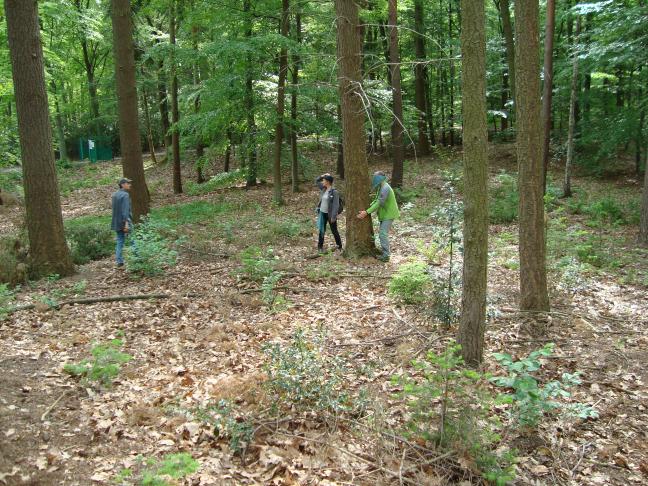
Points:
[51,407]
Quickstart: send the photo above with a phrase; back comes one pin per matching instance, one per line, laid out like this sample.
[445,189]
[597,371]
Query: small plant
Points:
[6,298]
[228,423]
[258,264]
[105,363]
[410,283]
[531,400]
[302,375]
[89,242]
[150,253]
[79,288]
[431,251]
[504,199]
[451,407]
[163,472]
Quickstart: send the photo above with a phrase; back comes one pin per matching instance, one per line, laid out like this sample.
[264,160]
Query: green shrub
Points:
[504,199]
[219,181]
[90,242]
[149,253]
[257,263]
[410,283]
[606,210]
[153,472]
[302,375]
[6,298]
[105,363]
[530,400]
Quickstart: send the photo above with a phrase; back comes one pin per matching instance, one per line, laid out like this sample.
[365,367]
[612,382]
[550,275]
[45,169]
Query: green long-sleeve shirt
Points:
[385,203]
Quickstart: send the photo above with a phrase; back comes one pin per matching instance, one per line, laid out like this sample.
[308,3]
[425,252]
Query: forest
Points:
[175,311]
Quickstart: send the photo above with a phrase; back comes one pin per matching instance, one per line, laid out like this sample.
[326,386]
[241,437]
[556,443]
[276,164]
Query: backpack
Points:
[341,206]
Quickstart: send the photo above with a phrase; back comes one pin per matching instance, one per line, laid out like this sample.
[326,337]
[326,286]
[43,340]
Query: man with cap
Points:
[122,220]
[387,207]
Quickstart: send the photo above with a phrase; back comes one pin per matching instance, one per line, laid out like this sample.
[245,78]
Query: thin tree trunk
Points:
[175,112]
[359,238]
[429,113]
[48,251]
[147,120]
[60,130]
[533,272]
[200,145]
[251,163]
[294,160]
[397,97]
[452,75]
[475,143]
[643,224]
[567,190]
[281,102]
[423,145]
[163,104]
[129,133]
[340,146]
[507,27]
[548,87]
[228,151]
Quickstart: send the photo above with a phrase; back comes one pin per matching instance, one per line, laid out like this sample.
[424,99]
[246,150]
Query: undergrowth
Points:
[104,366]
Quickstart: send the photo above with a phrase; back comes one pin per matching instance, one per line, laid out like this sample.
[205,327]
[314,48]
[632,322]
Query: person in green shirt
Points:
[385,204]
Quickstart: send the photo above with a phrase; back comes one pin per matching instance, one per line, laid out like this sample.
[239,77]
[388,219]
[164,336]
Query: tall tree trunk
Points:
[533,272]
[149,130]
[200,145]
[92,86]
[423,145]
[359,238]
[475,143]
[507,27]
[251,163]
[60,130]
[228,151]
[397,97]
[129,134]
[548,87]
[163,104]
[277,195]
[294,159]
[643,224]
[452,75]
[567,190]
[175,112]
[429,113]
[48,249]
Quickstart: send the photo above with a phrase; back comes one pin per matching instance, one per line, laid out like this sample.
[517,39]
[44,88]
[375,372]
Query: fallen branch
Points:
[51,407]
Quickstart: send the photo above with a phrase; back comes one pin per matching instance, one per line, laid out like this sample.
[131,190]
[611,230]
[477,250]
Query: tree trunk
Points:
[200,145]
[129,134]
[228,151]
[475,143]
[643,224]
[277,195]
[429,113]
[533,272]
[164,108]
[423,145]
[340,146]
[175,112]
[567,190]
[397,97]
[60,130]
[251,163]
[48,251]
[358,231]
[149,130]
[507,27]
[452,75]
[548,87]
[294,159]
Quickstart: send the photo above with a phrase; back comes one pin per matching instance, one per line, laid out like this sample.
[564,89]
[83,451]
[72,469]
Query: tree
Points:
[48,249]
[567,191]
[475,141]
[423,145]
[643,224]
[129,133]
[281,99]
[359,239]
[397,97]
[507,28]
[294,159]
[533,272]
[548,87]
[251,162]
[175,112]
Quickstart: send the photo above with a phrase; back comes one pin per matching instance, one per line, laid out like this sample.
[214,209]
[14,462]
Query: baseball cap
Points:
[124,180]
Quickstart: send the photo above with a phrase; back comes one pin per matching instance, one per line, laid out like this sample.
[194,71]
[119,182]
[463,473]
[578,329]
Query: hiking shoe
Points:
[383,258]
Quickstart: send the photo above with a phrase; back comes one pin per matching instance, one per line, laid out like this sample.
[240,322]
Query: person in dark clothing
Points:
[327,210]
[122,220]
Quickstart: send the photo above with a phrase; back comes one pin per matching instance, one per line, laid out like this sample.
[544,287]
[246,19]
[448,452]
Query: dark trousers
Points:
[322,220]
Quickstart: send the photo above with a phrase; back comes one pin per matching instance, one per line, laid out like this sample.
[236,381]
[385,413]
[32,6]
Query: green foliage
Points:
[219,181]
[302,375]
[150,253]
[410,283]
[450,406]
[258,264]
[504,199]
[530,400]
[164,472]
[90,242]
[105,363]
[228,423]
[6,298]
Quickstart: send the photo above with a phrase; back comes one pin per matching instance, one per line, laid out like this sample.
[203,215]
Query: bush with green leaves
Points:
[258,264]
[88,242]
[6,298]
[530,400]
[504,199]
[105,364]
[451,406]
[302,375]
[153,472]
[150,253]
[410,283]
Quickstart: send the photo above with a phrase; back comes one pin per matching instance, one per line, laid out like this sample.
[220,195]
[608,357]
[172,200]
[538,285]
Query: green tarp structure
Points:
[95,148]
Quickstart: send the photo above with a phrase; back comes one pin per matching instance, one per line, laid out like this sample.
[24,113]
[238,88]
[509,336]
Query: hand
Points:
[362,214]
[125,227]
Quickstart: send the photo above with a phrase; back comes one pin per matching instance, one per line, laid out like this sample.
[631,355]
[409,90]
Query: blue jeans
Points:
[119,249]
[383,235]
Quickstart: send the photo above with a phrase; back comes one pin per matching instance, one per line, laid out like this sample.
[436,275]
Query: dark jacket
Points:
[334,202]
[121,210]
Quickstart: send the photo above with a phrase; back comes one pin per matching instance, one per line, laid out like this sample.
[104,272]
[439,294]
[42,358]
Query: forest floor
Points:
[199,378]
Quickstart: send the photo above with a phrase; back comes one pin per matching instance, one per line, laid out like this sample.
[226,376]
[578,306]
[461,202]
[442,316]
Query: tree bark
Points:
[548,87]
[129,134]
[643,224]
[359,239]
[175,112]
[163,104]
[149,129]
[533,272]
[251,162]
[507,27]
[475,143]
[294,159]
[452,75]
[277,195]
[397,97]
[567,190]
[48,251]
[423,145]
[60,130]
[339,166]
